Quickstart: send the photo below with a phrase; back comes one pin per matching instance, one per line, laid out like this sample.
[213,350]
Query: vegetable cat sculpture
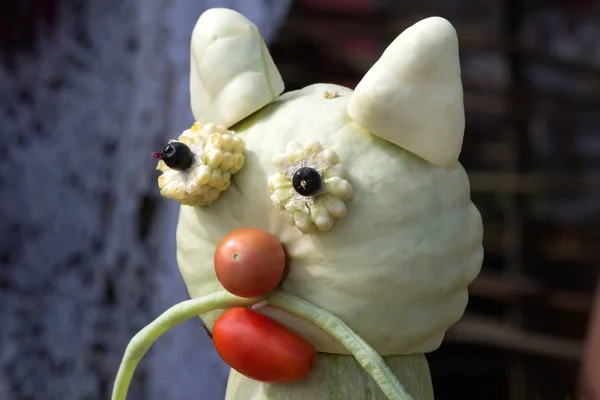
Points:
[381,249]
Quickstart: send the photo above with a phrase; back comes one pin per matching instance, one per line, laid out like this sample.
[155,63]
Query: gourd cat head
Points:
[363,187]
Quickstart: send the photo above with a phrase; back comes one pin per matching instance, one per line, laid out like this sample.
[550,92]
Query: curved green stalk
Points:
[366,356]
[179,313]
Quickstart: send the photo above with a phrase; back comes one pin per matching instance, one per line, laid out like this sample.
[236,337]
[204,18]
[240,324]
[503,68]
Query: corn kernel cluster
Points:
[319,210]
[218,155]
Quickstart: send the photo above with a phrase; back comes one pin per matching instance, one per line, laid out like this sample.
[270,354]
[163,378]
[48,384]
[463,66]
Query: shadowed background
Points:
[88,90]
[87,244]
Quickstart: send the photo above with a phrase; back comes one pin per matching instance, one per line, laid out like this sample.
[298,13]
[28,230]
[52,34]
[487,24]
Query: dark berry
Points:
[177,156]
[306,181]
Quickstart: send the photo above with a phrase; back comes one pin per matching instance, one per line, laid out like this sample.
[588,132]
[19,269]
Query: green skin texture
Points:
[334,377]
[338,377]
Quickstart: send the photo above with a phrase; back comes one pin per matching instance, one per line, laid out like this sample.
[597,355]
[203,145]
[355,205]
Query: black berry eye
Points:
[177,156]
[306,181]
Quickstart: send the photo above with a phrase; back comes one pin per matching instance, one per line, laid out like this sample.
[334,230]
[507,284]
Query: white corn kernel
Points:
[275,200]
[335,207]
[216,179]
[302,221]
[338,170]
[226,142]
[238,145]
[209,127]
[281,162]
[321,218]
[193,189]
[214,141]
[214,158]
[211,195]
[279,181]
[238,163]
[313,146]
[294,152]
[328,157]
[271,182]
[228,161]
[339,188]
[204,174]
[224,186]
[282,195]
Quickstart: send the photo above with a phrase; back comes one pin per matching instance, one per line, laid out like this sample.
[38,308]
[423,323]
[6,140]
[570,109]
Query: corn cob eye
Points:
[198,166]
[311,187]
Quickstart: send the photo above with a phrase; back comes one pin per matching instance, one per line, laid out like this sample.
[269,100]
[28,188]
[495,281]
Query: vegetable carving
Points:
[349,232]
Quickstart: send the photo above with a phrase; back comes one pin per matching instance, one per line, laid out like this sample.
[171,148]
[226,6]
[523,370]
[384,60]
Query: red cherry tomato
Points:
[261,348]
[249,262]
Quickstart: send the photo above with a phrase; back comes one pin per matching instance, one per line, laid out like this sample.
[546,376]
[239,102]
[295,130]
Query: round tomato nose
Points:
[249,262]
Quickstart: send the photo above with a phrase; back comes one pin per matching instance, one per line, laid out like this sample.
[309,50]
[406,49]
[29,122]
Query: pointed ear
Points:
[232,73]
[413,95]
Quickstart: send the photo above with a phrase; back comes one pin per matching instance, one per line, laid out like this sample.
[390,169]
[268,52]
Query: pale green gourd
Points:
[391,243]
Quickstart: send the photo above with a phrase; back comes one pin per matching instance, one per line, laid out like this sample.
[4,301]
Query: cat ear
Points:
[232,73]
[413,96]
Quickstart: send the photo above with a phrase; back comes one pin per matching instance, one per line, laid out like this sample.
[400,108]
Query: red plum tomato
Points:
[261,348]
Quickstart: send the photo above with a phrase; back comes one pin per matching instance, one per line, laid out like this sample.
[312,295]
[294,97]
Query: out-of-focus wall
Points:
[86,243]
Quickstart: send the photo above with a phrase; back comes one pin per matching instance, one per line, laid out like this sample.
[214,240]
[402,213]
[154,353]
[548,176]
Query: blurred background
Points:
[88,89]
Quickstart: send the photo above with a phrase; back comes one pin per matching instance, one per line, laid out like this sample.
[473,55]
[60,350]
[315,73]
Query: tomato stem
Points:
[179,313]
[366,356]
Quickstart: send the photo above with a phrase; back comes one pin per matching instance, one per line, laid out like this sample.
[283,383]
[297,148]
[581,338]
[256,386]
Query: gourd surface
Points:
[337,377]
[395,269]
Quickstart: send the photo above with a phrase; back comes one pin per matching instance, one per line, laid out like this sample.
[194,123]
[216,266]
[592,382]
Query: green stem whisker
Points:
[179,313]
[364,354]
